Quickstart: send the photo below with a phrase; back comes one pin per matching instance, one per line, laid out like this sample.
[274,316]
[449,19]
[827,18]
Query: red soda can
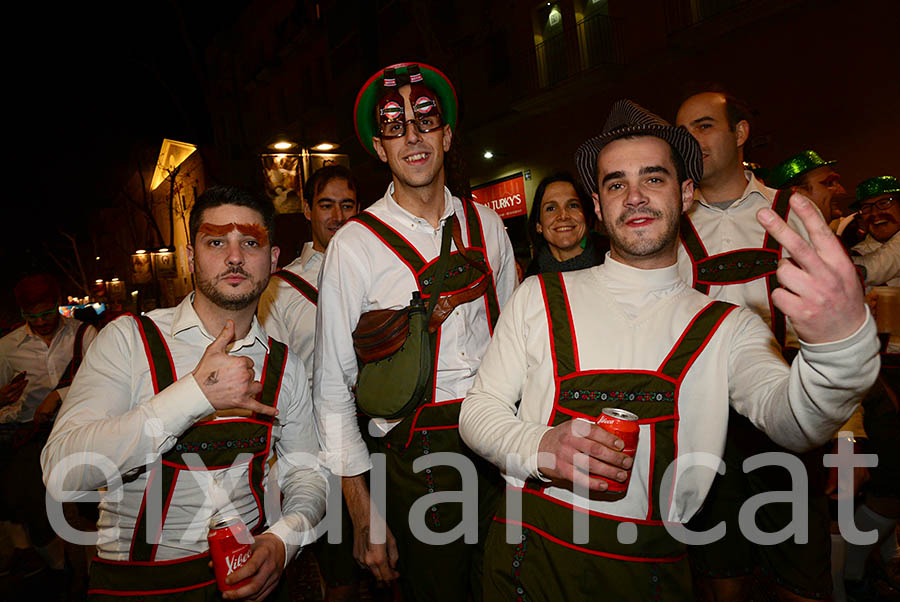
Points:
[225,547]
[624,425]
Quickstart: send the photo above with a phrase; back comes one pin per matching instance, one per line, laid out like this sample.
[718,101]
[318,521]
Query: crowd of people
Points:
[402,375]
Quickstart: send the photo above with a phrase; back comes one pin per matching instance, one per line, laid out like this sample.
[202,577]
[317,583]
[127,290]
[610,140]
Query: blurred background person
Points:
[560,227]
[811,176]
[878,202]
[37,363]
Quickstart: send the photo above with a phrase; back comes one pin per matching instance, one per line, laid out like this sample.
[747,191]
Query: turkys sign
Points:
[506,196]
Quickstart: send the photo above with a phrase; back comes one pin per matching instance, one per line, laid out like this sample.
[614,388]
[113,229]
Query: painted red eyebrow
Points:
[254,230]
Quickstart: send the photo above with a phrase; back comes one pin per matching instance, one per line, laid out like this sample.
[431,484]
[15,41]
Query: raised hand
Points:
[228,380]
[820,291]
[561,445]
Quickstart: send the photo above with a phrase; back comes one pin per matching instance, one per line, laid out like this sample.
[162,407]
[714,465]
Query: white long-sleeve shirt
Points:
[629,319]
[732,228]
[288,316]
[21,350]
[881,260]
[111,410]
[361,274]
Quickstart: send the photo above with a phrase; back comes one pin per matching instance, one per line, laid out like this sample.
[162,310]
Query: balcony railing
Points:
[595,41]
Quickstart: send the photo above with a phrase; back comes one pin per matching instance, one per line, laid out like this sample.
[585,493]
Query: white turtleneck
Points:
[635,289]
[629,319]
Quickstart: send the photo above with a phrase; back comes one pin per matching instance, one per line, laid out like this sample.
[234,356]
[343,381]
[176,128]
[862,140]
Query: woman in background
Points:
[560,228]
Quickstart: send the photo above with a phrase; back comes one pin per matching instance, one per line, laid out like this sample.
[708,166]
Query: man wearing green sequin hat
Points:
[878,203]
[811,176]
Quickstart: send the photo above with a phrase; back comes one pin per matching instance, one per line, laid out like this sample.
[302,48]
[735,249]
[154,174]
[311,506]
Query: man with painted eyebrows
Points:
[631,334]
[179,412]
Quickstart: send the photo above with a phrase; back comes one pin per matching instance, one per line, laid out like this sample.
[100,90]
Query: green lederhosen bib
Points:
[741,265]
[218,446]
[451,571]
[546,564]
[302,286]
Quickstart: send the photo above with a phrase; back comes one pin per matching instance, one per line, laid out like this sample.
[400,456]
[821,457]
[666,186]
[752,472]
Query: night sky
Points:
[92,84]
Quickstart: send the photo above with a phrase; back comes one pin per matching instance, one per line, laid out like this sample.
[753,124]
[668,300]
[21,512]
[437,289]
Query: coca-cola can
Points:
[225,547]
[624,425]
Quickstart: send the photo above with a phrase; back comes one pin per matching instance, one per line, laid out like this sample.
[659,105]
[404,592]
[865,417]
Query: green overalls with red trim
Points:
[218,445]
[544,563]
[740,265]
[451,571]
[800,568]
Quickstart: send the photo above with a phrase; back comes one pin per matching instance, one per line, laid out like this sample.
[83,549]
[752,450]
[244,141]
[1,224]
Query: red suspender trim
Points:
[434,368]
[562,284]
[556,379]
[492,303]
[132,593]
[693,245]
[165,512]
[162,368]
[572,546]
[364,220]
[652,463]
[149,562]
[727,308]
[549,327]
[139,522]
[172,576]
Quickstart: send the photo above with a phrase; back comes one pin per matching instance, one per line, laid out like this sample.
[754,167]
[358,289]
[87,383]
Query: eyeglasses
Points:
[397,127]
[880,203]
[40,316]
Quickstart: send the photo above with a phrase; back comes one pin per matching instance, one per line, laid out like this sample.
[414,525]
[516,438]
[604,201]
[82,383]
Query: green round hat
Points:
[364,109]
[795,166]
[875,187]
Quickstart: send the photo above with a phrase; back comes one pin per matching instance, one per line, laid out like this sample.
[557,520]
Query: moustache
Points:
[631,213]
[235,270]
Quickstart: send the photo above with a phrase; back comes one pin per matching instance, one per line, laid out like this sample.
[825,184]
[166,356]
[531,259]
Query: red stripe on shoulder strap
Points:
[388,245]
[149,353]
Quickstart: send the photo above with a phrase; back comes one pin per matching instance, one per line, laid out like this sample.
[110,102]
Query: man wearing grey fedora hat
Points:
[584,517]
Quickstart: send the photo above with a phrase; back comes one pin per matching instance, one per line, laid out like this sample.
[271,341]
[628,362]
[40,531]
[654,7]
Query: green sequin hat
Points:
[795,166]
[875,187]
[364,109]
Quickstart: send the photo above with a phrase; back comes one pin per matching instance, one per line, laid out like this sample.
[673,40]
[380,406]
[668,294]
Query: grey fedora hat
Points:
[627,117]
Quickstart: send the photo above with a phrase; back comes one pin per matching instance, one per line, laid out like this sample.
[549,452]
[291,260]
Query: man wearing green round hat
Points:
[878,203]
[416,244]
[811,176]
